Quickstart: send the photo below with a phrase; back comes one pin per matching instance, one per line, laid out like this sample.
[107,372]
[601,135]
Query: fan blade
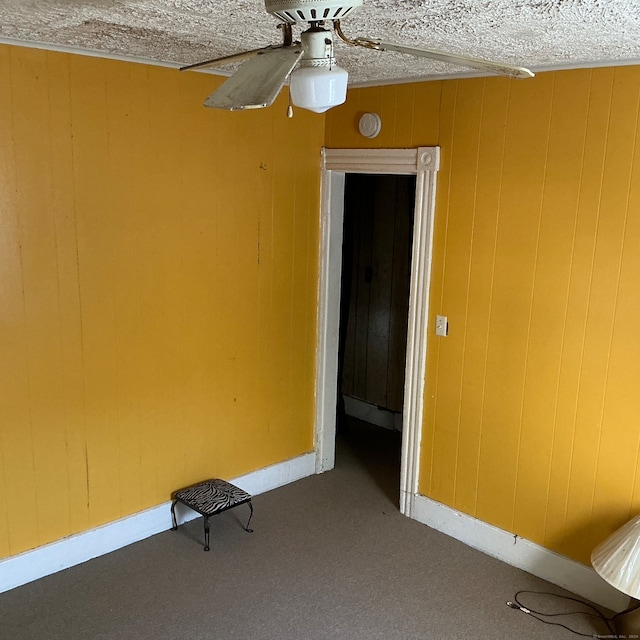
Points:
[465,61]
[257,82]
[219,62]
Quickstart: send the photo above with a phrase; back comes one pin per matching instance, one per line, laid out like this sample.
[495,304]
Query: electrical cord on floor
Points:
[516,604]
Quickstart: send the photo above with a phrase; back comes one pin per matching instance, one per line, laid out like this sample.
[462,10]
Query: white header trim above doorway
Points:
[422,162]
[385,161]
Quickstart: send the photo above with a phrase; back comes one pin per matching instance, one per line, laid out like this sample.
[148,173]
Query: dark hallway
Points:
[376,259]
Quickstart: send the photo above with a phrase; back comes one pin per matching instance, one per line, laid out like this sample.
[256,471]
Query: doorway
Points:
[423,163]
[374,310]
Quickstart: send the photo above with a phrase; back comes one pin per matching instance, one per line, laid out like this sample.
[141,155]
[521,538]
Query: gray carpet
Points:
[330,558]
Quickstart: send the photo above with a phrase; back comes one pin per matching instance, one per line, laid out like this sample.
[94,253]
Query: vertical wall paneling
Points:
[612,312]
[491,143]
[459,198]
[404,114]
[549,305]
[158,289]
[573,454]
[38,264]
[434,442]
[380,301]
[530,418]
[19,483]
[399,298]
[623,372]
[7,281]
[362,290]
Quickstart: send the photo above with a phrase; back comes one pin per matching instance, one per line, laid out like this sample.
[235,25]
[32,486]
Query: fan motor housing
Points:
[311,10]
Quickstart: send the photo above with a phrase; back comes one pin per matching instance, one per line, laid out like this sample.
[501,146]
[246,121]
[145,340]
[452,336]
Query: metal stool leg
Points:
[206,533]
[173,516]
[250,516]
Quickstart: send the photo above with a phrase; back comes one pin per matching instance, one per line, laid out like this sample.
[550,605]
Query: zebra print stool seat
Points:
[208,498]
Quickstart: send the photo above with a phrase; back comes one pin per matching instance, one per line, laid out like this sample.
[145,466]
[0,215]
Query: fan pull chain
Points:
[290,107]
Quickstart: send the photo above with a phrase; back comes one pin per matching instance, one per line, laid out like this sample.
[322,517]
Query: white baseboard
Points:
[62,554]
[519,552]
[372,414]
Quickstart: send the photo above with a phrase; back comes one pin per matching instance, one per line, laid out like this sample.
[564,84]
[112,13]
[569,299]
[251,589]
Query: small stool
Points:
[208,498]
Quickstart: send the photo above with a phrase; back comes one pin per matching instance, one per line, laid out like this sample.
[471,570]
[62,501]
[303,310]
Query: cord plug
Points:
[515,605]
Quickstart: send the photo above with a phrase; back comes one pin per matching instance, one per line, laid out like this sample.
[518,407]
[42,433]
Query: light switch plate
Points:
[442,326]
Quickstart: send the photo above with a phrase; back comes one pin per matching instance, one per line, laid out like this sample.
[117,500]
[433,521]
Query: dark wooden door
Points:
[375,298]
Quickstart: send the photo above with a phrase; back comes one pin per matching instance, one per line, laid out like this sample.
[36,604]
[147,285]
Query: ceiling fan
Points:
[316,82]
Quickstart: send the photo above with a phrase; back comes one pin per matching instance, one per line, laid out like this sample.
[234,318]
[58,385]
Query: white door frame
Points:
[422,162]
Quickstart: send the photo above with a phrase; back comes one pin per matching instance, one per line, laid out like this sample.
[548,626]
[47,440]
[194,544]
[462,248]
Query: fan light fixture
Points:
[318,83]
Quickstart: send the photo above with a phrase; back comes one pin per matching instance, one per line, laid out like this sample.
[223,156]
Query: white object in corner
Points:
[519,552]
[370,125]
[62,554]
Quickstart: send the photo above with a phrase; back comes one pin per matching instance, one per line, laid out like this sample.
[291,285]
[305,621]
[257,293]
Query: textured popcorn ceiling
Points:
[535,33]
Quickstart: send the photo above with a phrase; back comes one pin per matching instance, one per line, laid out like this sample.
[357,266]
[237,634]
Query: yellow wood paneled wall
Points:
[532,418]
[158,269]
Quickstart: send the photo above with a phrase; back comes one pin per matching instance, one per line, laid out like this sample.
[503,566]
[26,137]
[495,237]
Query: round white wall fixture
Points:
[370,125]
